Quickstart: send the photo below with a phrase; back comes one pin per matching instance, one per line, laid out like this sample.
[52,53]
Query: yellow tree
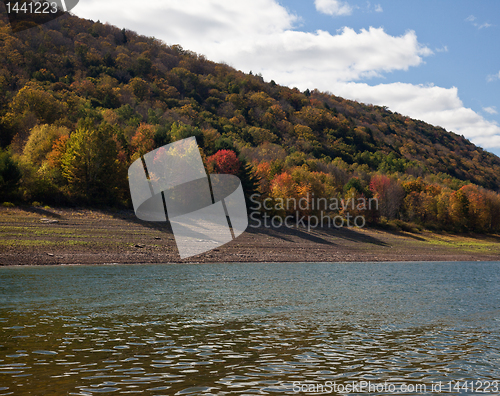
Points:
[40,142]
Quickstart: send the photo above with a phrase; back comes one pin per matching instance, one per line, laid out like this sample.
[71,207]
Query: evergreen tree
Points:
[249,181]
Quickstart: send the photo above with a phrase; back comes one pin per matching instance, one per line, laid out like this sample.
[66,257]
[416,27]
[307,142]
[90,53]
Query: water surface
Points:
[225,329]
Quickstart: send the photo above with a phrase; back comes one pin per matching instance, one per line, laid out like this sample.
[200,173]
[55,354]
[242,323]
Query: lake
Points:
[230,329]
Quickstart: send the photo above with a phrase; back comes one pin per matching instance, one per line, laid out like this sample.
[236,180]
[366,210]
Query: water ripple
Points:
[233,346]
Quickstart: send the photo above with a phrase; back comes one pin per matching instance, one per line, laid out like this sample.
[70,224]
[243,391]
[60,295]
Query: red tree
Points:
[224,161]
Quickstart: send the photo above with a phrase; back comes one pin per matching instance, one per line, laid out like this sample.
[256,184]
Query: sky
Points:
[436,61]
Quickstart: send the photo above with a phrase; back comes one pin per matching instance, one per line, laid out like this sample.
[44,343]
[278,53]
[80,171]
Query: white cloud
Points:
[333,7]
[491,110]
[193,23]
[444,48]
[378,8]
[472,18]
[308,58]
[261,36]
[493,77]
[484,25]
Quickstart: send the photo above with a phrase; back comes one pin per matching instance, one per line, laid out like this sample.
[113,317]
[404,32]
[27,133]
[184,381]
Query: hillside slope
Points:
[74,75]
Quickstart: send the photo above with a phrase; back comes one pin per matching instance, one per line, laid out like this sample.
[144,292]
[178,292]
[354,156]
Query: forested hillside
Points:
[80,100]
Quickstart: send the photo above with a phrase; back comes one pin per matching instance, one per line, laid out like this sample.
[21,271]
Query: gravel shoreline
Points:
[36,236]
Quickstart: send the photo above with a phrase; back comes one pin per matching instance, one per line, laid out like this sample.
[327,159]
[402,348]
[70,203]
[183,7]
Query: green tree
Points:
[90,164]
[10,174]
[356,184]
[180,131]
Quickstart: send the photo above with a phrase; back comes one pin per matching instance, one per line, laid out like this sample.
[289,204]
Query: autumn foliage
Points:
[81,100]
[224,161]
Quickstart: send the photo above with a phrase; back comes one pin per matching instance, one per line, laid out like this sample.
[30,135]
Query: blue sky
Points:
[438,61]
[463,36]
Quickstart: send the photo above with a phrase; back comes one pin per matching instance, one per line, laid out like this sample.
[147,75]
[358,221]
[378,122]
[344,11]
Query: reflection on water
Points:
[244,328]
